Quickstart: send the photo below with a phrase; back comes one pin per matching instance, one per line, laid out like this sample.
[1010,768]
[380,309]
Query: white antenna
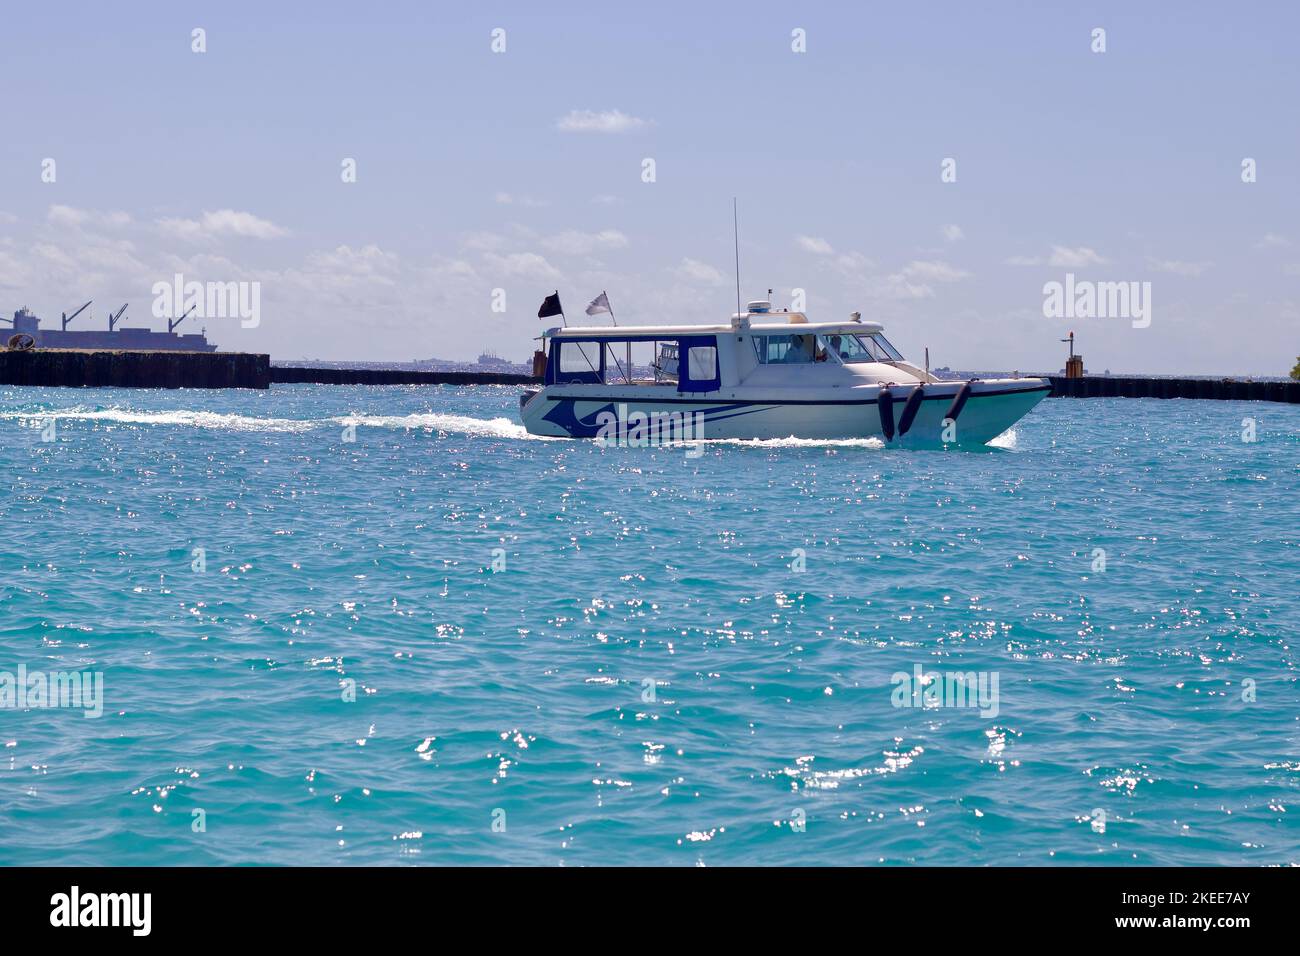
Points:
[735,225]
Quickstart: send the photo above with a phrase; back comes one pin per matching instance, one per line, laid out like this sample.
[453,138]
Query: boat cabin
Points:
[759,347]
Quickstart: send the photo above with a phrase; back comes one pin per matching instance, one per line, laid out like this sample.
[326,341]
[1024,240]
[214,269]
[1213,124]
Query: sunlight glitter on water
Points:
[640,657]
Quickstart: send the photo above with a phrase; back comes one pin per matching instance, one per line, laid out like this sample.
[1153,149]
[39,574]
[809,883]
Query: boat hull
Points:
[644,414]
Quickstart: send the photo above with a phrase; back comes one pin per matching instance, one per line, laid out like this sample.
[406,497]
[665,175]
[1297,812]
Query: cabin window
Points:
[579,357]
[618,362]
[784,349]
[575,362]
[702,361]
[862,348]
[883,343]
[698,364]
[853,348]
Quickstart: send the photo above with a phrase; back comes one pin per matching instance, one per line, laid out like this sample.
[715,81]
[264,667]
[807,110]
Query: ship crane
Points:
[68,318]
[113,319]
[172,323]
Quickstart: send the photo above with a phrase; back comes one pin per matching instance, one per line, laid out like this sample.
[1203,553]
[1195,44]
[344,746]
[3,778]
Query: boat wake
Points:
[428,421]
[182,417]
[440,422]
[793,442]
[452,424]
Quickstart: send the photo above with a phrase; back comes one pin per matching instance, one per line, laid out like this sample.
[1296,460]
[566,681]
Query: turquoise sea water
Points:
[649,679]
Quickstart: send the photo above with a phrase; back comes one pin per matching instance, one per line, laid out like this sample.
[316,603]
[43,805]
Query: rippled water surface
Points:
[563,654]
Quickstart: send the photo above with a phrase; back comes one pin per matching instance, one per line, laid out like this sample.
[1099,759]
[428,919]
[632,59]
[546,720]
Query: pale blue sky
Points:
[1126,164]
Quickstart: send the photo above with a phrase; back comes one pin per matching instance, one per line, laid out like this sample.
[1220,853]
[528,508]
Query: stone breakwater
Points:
[1226,389]
[96,368]
[291,375]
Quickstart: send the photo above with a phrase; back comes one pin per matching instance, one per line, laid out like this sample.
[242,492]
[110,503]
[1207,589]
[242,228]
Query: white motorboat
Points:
[765,375]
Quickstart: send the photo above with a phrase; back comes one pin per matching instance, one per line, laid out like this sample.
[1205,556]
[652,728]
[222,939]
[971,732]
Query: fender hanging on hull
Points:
[958,402]
[910,408]
[886,402]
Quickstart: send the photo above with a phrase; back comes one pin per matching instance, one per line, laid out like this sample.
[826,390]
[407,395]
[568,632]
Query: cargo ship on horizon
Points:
[26,332]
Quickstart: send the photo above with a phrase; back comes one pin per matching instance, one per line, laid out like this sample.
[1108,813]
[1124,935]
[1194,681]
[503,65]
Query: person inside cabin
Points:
[799,350]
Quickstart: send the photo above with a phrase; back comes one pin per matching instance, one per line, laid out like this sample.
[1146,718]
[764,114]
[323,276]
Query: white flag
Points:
[599,304]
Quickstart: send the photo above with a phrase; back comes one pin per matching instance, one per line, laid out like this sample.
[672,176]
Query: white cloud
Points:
[952,233]
[693,270]
[51,256]
[113,256]
[934,271]
[13,274]
[230,222]
[818,247]
[223,222]
[483,241]
[1272,240]
[1178,267]
[574,243]
[1066,258]
[523,265]
[1063,257]
[608,121]
[71,216]
[853,264]
[338,282]
[369,263]
[190,230]
[443,268]
[863,278]
[605,199]
[509,199]
[912,281]
[897,286]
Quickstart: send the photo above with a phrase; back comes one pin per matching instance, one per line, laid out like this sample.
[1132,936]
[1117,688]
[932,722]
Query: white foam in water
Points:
[433,421]
[1006,440]
[191,419]
[793,442]
[458,424]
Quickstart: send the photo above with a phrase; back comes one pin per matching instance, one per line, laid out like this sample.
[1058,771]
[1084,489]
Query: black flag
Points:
[551,306]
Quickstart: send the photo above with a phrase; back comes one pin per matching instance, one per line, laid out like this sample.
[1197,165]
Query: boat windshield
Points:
[862,348]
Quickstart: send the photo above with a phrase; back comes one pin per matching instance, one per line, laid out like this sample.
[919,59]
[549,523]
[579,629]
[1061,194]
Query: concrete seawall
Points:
[1145,387]
[93,368]
[296,375]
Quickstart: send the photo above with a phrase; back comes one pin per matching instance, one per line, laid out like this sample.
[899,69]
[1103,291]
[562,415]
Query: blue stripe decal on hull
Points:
[564,415]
